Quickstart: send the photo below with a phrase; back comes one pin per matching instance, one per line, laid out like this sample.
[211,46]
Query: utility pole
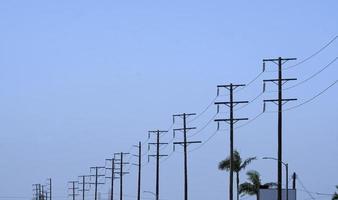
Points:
[121,172]
[97,176]
[36,191]
[72,188]
[185,144]
[157,156]
[231,120]
[280,81]
[294,177]
[112,176]
[50,188]
[83,182]
[139,165]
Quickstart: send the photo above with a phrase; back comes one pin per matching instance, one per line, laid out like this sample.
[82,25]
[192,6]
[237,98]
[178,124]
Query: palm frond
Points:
[247,188]
[335,196]
[247,162]
[254,177]
[224,165]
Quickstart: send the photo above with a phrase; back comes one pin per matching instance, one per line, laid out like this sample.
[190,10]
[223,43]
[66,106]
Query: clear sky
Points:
[80,80]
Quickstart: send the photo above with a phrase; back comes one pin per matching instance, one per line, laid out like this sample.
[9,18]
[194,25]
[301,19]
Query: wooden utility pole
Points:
[121,172]
[158,157]
[231,120]
[139,166]
[280,81]
[185,144]
[97,176]
[83,182]
[73,189]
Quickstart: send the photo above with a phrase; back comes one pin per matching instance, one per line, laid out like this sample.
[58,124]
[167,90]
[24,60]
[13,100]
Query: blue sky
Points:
[81,80]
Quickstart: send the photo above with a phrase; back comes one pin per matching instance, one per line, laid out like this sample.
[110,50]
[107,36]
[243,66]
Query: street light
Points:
[287,173]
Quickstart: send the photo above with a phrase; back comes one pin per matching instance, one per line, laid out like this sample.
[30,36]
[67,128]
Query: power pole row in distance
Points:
[112,176]
[157,156]
[43,191]
[121,172]
[97,175]
[36,191]
[83,182]
[231,120]
[72,189]
[280,81]
[185,144]
[139,166]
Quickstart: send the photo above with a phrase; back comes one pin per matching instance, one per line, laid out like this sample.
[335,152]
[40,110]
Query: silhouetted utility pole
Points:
[50,188]
[73,189]
[185,144]
[280,81]
[139,165]
[157,156]
[36,191]
[231,120]
[83,182]
[97,176]
[294,177]
[121,172]
[112,177]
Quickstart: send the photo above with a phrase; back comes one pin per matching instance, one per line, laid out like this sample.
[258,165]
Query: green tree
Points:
[252,187]
[335,196]
[239,165]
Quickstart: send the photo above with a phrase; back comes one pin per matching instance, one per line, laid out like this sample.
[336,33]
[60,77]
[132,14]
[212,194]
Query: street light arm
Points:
[272,158]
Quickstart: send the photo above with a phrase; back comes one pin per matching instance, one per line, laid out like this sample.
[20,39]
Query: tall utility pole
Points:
[83,182]
[36,191]
[73,189]
[157,156]
[97,176]
[50,188]
[294,177]
[139,165]
[112,177]
[39,191]
[121,172]
[185,144]
[231,120]
[280,81]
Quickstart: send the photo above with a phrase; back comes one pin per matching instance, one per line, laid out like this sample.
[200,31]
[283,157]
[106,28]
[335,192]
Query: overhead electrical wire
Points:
[314,54]
[313,75]
[309,100]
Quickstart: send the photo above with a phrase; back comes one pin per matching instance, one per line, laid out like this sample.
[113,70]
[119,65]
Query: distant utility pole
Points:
[280,81]
[36,191]
[39,191]
[139,165]
[185,144]
[112,177]
[83,182]
[157,156]
[50,188]
[97,176]
[73,189]
[231,120]
[121,172]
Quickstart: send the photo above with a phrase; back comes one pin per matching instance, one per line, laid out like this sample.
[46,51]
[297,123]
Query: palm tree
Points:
[239,165]
[252,187]
[335,196]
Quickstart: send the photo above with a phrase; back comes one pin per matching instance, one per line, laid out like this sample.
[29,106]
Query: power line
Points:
[309,57]
[312,98]
[309,100]
[306,190]
[313,75]
[312,55]
[203,127]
